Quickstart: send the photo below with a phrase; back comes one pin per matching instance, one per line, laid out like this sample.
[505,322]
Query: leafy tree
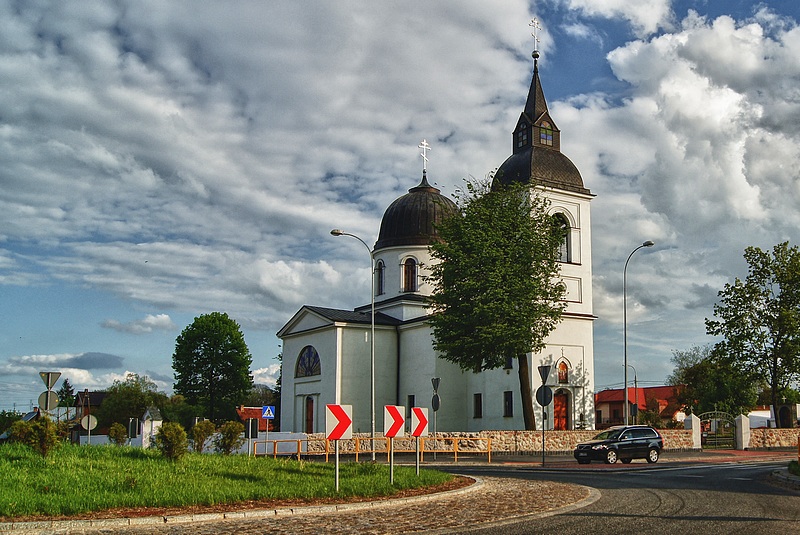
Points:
[201,432]
[176,409]
[229,437]
[171,440]
[494,292]
[212,365]
[712,383]
[66,394]
[759,319]
[129,399]
[118,434]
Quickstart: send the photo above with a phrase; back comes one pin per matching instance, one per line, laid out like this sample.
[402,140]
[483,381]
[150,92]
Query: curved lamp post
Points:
[648,243]
[337,232]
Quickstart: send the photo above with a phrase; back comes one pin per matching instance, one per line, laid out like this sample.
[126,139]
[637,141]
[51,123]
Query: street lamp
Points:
[337,232]
[648,243]
[636,394]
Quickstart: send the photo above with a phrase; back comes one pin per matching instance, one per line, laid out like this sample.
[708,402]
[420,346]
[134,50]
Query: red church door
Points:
[560,402]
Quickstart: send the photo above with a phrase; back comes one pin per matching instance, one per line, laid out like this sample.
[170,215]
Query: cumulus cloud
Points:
[645,16]
[145,325]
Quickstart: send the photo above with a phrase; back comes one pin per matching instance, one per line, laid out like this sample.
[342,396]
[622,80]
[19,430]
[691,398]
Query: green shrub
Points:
[229,437]
[201,432]
[794,468]
[118,434]
[171,440]
[40,435]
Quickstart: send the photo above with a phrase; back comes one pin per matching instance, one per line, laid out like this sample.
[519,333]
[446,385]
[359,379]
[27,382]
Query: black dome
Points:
[543,166]
[412,218]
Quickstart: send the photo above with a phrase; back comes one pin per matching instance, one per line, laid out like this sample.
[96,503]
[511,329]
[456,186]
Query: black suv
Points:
[624,443]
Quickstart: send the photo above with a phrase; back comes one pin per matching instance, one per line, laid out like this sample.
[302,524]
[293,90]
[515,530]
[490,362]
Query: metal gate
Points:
[718,430]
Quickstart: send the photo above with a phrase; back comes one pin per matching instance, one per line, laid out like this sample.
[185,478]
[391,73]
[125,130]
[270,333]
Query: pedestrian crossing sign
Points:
[268,412]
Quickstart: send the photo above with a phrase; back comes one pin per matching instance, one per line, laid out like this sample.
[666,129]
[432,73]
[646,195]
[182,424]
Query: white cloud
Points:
[645,16]
[145,325]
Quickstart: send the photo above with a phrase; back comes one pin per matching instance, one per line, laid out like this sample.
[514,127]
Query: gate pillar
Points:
[742,437]
[693,422]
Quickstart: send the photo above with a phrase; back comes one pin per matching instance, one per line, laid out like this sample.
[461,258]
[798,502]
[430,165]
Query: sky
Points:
[163,160]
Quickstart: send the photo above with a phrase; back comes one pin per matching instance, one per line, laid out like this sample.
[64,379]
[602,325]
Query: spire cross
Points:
[425,148]
[534,33]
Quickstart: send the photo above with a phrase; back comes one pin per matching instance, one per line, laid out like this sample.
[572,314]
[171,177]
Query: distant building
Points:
[609,404]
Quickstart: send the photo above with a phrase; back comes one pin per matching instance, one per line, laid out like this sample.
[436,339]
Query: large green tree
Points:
[759,318]
[496,292]
[129,399]
[212,365]
[710,382]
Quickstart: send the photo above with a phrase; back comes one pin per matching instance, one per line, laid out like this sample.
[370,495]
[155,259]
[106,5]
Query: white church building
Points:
[327,351]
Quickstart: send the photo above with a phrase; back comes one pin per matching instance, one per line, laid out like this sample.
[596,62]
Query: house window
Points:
[307,363]
[508,403]
[410,275]
[562,228]
[477,405]
[546,134]
[522,135]
[380,275]
[509,363]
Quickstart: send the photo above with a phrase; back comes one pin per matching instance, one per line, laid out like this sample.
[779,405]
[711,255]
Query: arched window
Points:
[380,277]
[546,134]
[561,226]
[410,275]
[563,372]
[307,363]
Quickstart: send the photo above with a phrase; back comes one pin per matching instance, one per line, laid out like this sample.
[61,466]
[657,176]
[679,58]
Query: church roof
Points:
[412,218]
[350,316]
[537,156]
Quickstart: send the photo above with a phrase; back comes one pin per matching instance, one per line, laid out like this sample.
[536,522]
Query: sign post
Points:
[393,426]
[419,427]
[268,413]
[435,402]
[338,426]
[544,395]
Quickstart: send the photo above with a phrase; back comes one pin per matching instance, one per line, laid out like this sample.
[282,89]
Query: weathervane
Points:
[425,148]
[534,33]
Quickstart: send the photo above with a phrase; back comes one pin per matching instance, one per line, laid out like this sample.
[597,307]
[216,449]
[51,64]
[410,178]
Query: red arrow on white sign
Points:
[393,421]
[419,422]
[338,422]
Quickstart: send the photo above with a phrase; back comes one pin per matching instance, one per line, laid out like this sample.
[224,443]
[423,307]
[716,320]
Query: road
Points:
[706,499]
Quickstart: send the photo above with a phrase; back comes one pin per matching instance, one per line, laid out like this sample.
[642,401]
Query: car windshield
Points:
[608,433]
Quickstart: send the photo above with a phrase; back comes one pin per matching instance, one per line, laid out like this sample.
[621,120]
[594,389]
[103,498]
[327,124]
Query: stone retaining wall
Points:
[774,438]
[522,442]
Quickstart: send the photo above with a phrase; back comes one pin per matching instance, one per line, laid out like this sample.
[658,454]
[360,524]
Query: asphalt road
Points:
[704,499]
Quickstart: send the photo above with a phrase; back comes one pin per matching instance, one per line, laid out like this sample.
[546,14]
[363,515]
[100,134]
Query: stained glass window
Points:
[307,363]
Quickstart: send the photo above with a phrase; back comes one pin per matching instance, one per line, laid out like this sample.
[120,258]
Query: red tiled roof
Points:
[245,413]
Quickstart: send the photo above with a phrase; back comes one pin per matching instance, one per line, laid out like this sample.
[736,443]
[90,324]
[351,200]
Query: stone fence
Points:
[530,442]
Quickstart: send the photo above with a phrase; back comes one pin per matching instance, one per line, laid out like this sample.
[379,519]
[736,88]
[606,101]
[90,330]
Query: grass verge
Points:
[794,468]
[75,480]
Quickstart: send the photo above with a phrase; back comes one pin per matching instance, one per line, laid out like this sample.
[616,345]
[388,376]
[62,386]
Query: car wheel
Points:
[611,457]
[583,461]
[652,456]
[626,461]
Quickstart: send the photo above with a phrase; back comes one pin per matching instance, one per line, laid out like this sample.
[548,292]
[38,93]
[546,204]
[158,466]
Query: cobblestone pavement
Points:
[489,500]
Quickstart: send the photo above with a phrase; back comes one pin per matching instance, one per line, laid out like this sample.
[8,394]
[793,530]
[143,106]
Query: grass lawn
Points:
[76,480]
